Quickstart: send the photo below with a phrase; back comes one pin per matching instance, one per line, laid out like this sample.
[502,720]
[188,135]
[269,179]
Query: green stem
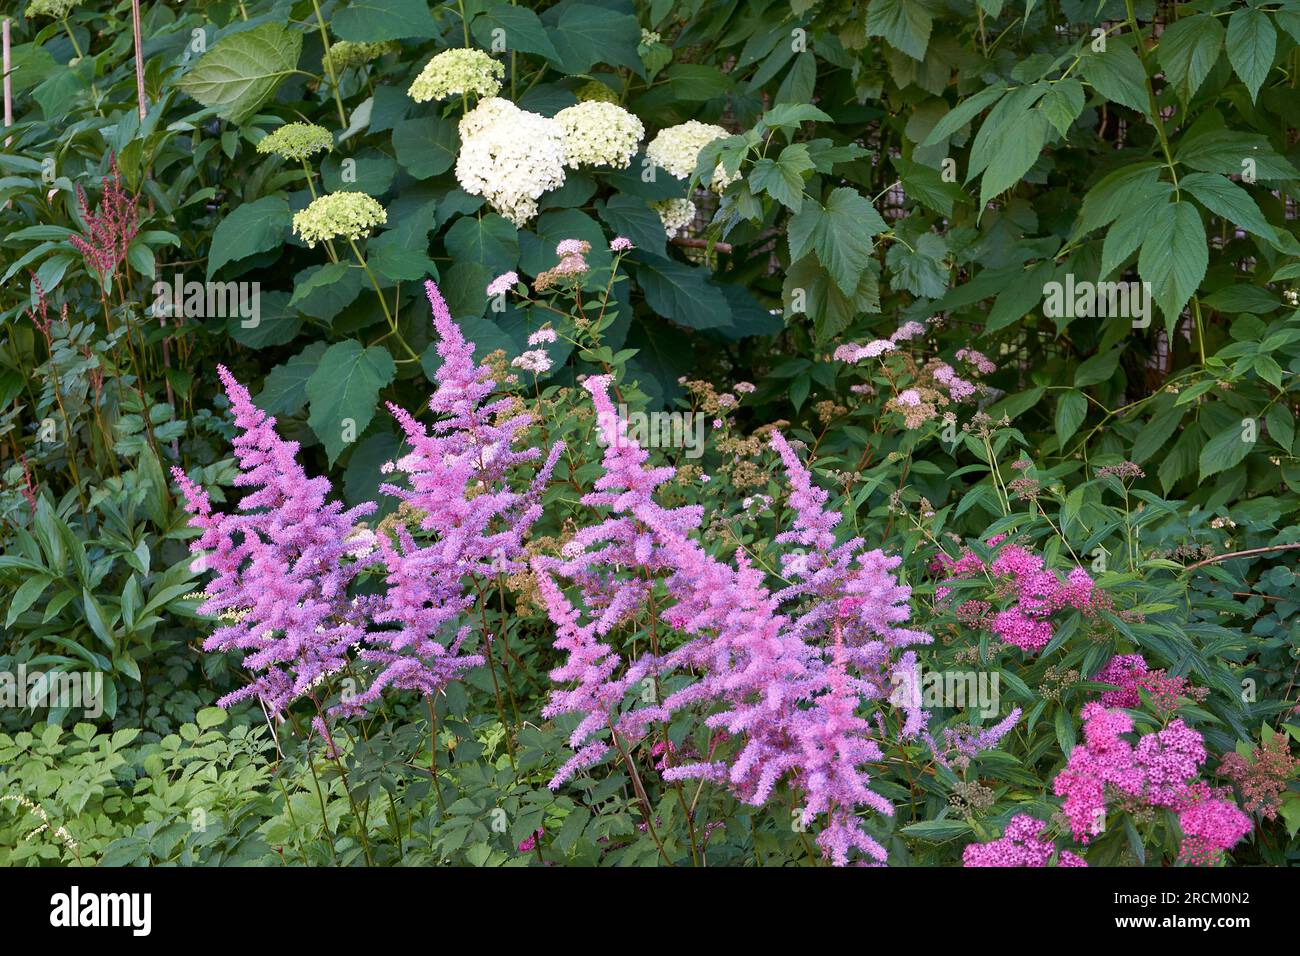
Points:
[329,65]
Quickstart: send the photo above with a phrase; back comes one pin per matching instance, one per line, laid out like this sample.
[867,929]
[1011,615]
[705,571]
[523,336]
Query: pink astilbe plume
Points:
[472,525]
[280,563]
[284,564]
[786,687]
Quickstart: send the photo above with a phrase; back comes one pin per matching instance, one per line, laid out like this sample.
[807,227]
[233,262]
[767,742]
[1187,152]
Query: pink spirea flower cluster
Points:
[1021,844]
[785,685]
[1160,771]
[1036,593]
[1130,674]
[284,563]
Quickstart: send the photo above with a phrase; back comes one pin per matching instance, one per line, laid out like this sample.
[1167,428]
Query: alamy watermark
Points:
[208,300]
[962,690]
[1101,300]
[30,690]
[684,430]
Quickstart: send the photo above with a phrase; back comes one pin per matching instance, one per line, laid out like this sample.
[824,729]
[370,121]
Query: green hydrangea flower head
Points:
[296,141]
[349,215]
[344,53]
[456,73]
[595,91]
[54,9]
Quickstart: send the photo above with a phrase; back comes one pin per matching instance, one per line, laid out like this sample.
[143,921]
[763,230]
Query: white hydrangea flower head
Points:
[676,215]
[458,72]
[296,141]
[676,150]
[489,112]
[599,134]
[510,157]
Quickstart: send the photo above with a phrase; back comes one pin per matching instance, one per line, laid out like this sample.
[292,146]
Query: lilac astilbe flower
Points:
[472,524]
[284,567]
[787,686]
[280,563]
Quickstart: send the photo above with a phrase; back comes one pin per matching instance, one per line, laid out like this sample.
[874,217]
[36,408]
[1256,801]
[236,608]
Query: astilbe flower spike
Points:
[111,228]
[280,564]
[284,564]
[472,525]
[787,686]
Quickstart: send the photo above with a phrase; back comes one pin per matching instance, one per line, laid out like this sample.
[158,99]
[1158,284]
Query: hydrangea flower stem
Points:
[383,303]
[329,66]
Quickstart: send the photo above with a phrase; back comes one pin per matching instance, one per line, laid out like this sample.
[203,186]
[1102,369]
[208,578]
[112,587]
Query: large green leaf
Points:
[1225,198]
[255,226]
[586,35]
[1117,74]
[1225,448]
[490,240]
[344,392]
[1174,258]
[840,233]
[1014,155]
[368,21]
[425,146]
[905,25]
[242,71]
[682,293]
[521,31]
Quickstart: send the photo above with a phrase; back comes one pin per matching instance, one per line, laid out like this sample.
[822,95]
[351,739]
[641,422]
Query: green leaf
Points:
[1117,74]
[1281,426]
[27,594]
[253,227]
[1071,410]
[491,240]
[963,113]
[522,30]
[1252,41]
[344,391]
[1225,449]
[1174,257]
[1013,156]
[1188,50]
[96,619]
[783,178]
[586,35]
[1225,198]
[682,293]
[369,21]
[1218,150]
[905,25]
[1063,103]
[425,146]
[928,187]
[840,233]
[1097,369]
[242,71]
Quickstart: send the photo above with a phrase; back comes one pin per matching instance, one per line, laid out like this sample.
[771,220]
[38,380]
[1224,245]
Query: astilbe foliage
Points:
[284,563]
[787,684]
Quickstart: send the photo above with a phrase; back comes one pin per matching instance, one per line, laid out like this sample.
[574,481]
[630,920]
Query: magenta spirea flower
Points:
[1021,844]
[1161,770]
[1038,593]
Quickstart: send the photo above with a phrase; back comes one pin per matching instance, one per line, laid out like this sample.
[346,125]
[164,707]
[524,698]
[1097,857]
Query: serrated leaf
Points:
[1174,258]
[1188,50]
[242,71]
[1071,410]
[370,21]
[1252,41]
[1117,74]
[1225,198]
[904,24]
[1225,449]
[344,392]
